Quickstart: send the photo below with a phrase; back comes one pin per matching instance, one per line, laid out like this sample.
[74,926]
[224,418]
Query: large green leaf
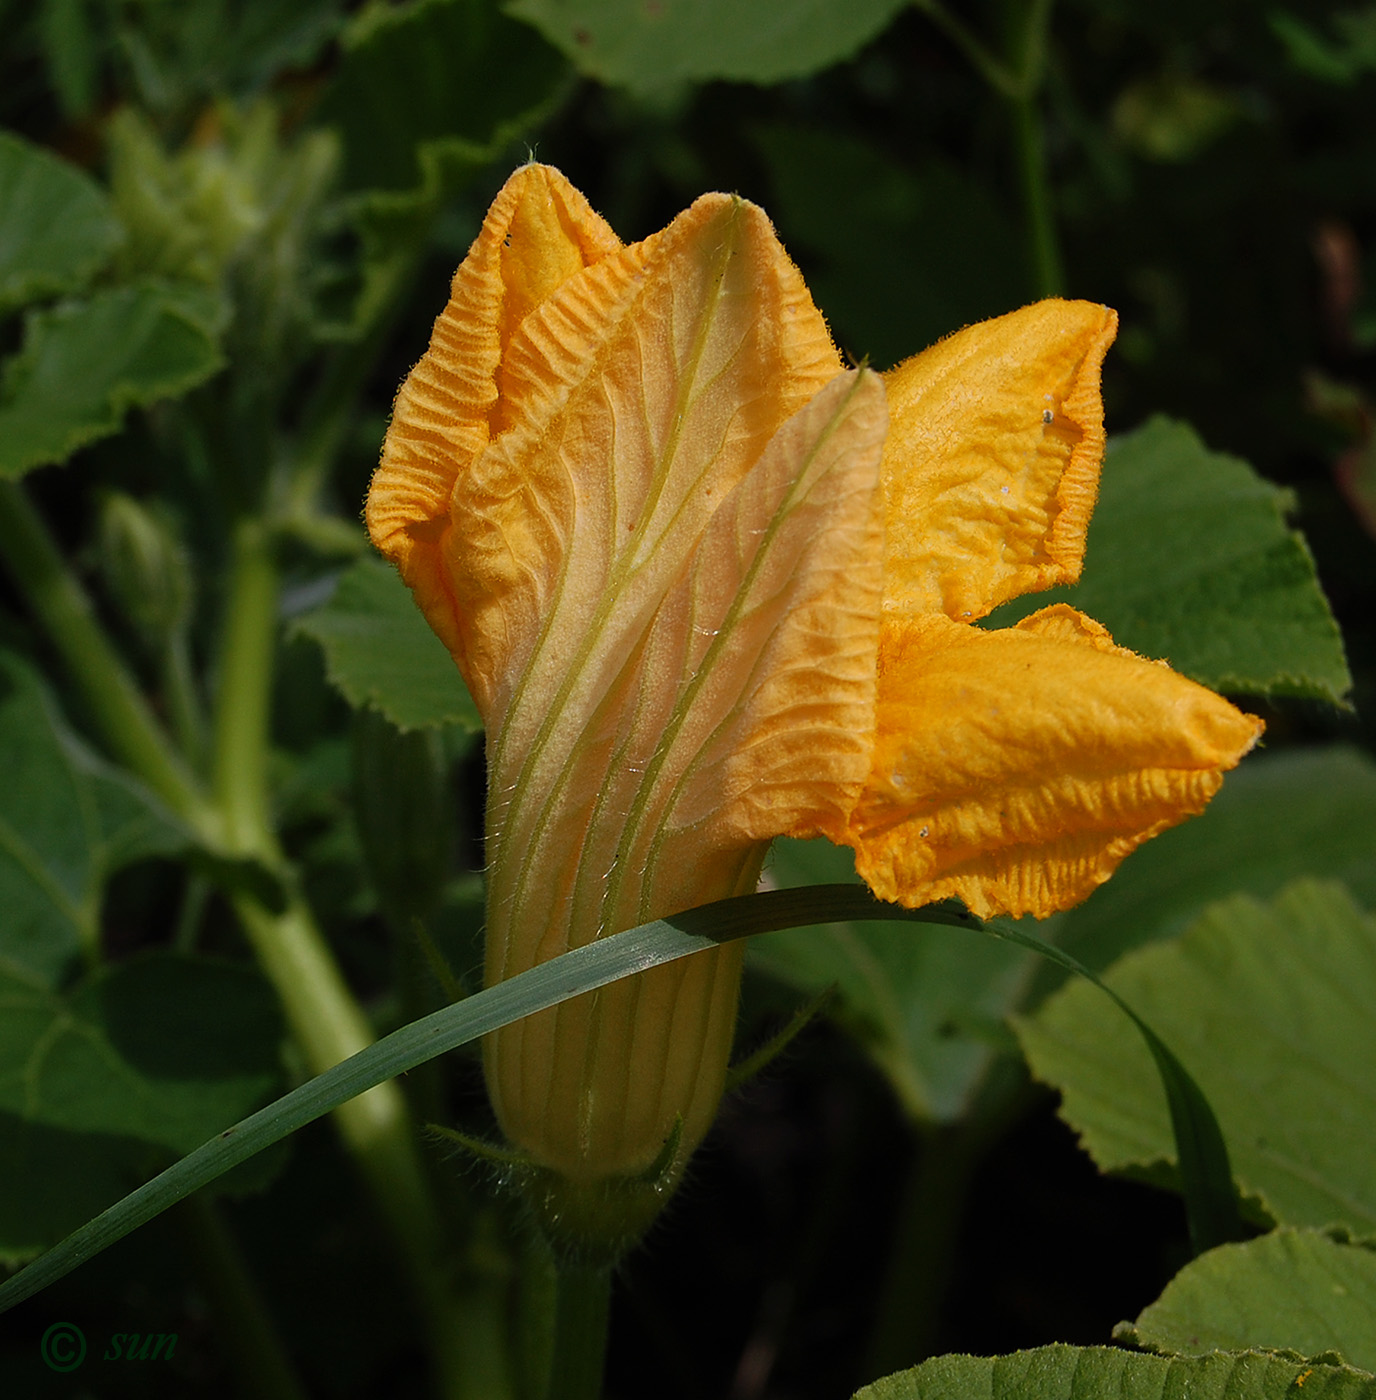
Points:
[649,46]
[1293,1290]
[67,820]
[52,1180]
[1094,1373]
[56,228]
[1279,817]
[99,1085]
[163,1048]
[927,1005]
[1270,1007]
[895,257]
[1190,560]
[85,364]
[430,92]
[380,651]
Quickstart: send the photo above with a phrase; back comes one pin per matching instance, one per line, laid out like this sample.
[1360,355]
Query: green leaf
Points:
[1317,56]
[1270,1005]
[380,651]
[569,975]
[51,1181]
[1279,817]
[72,49]
[56,228]
[1092,1373]
[99,1086]
[429,74]
[647,47]
[1291,1290]
[937,251]
[163,1048]
[1189,560]
[85,364]
[67,821]
[928,1008]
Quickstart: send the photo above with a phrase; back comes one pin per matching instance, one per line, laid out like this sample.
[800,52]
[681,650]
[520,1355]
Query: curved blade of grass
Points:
[1202,1154]
[1206,1176]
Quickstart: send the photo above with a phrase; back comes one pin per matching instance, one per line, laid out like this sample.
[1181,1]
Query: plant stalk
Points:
[1019,81]
[1036,194]
[325,1017]
[114,701]
[582,1310]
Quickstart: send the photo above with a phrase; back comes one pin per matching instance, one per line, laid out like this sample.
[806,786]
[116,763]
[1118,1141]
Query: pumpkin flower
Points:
[708,587]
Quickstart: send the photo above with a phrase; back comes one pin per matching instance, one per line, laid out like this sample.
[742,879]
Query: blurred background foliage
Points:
[286,189]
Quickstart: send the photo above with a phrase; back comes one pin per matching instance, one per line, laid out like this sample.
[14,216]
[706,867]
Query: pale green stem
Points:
[325,1018]
[114,701]
[183,703]
[922,1247]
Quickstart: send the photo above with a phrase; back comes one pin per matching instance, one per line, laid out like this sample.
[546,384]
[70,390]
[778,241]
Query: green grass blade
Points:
[1202,1154]
[1206,1176]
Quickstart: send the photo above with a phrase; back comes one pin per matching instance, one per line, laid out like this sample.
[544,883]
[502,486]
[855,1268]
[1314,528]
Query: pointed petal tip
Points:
[1015,770]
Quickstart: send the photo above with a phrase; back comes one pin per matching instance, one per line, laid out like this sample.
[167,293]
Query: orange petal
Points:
[538,233]
[1015,769]
[665,747]
[638,396]
[992,465]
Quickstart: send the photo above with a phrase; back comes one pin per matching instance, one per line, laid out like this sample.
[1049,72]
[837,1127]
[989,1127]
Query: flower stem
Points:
[1036,193]
[114,701]
[1018,80]
[991,68]
[582,1310]
[325,1017]
[1029,136]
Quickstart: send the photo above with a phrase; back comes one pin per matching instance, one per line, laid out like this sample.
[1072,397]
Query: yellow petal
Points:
[708,689]
[638,396]
[538,233]
[1015,769]
[992,464]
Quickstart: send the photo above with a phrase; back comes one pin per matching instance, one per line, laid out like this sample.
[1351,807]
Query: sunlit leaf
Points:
[1278,817]
[1297,1290]
[85,364]
[648,46]
[380,651]
[56,228]
[1190,561]
[1270,1006]
[1090,1373]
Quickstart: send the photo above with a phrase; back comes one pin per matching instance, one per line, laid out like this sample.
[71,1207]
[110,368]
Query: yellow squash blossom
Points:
[708,587]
